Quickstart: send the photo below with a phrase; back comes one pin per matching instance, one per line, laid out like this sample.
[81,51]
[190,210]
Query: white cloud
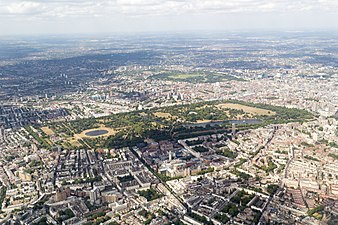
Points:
[31,16]
[63,8]
[24,7]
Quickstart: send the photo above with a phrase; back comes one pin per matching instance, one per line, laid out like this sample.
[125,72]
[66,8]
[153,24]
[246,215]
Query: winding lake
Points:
[247,121]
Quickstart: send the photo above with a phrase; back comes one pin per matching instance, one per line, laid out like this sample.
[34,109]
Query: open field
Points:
[165,115]
[47,131]
[74,142]
[203,121]
[185,76]
[247,109]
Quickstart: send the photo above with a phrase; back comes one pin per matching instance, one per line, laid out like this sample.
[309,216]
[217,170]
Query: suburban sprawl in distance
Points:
[236,128]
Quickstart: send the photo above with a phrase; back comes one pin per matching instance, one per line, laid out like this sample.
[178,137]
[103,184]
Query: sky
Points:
[123,16]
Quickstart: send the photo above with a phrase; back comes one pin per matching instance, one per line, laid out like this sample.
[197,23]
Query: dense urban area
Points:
[236,128]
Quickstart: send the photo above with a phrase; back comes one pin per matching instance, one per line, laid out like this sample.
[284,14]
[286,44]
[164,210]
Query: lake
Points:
[96,133]
[248,121]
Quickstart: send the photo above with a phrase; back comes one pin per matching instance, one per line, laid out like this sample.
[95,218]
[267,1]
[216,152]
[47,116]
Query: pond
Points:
[96,133]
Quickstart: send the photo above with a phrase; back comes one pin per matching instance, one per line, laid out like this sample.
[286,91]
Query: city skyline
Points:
[173,112]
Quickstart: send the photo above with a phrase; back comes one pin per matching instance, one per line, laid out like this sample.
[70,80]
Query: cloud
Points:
[104,8]
[82,16]
[23,8]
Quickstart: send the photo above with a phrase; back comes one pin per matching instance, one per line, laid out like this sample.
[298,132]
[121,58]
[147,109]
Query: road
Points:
[162,182]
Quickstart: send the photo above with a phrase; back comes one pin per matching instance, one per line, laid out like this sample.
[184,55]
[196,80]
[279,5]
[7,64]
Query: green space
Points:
[3,190]
[42,221]
[307,145]
[222,217]
[194,142]
[333,144]
[282,152]
[39,138]
[35,163]
[242,198]
[309,157]
[241,175]
[316,212]
[97,218]
[240,163]
[231,209]
[65,215]
[150,194]
[334,156]
[133,127]
[272,188]
[32,166]
[268,168]
[147,215]
[227,153]
[89,205]
[200,149]
[185,76]
[126,178]
[163,177]
[195,77]
[204,171]
[40,204]
[199,218]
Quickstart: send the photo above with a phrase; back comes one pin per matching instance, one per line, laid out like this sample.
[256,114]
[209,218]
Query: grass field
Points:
[203,121]
[247,109]
[185,76]
[74,142]
[165,115]
[47,131]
